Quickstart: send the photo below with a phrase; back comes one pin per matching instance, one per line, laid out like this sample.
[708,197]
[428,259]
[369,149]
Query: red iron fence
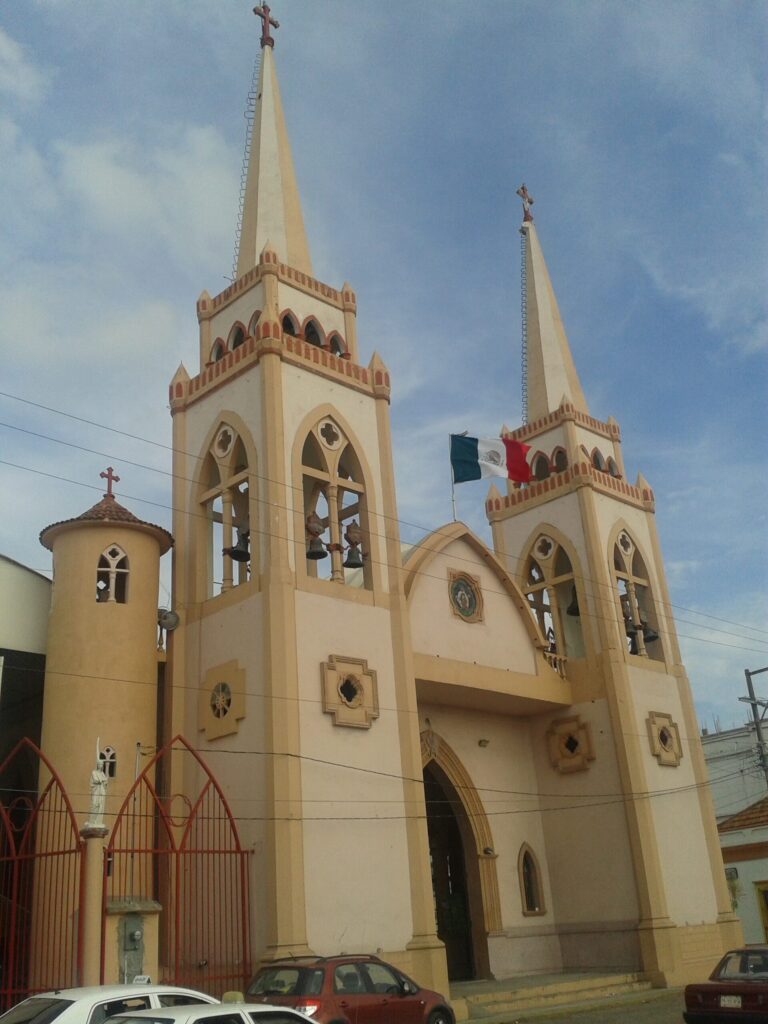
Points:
[41,879]
[184,854]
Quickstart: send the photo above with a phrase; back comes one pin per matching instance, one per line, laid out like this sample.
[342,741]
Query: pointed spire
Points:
[552,374]
[272,208]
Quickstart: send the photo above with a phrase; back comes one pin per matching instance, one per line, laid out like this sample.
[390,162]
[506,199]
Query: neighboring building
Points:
[736,777]
[744,839]
[479,762]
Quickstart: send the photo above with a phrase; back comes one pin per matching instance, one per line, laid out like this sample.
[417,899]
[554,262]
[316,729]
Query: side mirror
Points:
[406,989]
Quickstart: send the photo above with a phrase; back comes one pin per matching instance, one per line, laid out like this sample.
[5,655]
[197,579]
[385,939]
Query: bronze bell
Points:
[354,559]
[316,549]
[573,607]
[354,538]
[649,633]
[241,551]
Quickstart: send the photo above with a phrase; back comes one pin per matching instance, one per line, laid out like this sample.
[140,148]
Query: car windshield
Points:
[744,965]
[37,1010]
[286,981]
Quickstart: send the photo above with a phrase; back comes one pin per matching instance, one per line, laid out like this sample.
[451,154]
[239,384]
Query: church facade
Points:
[476,761]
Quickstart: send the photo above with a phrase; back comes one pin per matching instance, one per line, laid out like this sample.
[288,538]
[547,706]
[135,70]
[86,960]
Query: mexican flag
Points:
[473,458]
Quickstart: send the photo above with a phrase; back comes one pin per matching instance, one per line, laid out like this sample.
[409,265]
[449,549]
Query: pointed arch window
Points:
[531,892]
[336,345]
[236,337]
[312,334]
[108,758]
[598,461]
[335,508]
[218,351]
[613,468]
[550,587]
[559,460]
[638,609]
[289,325]
[225,497]
[112,576]
[541,467]
[254,323]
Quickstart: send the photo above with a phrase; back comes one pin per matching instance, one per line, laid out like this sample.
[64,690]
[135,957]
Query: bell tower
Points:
[293,648]
[582,542]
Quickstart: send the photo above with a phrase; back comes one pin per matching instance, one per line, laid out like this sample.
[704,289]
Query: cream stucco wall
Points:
[25,598]
[502,640]
[679,826]
[359,830]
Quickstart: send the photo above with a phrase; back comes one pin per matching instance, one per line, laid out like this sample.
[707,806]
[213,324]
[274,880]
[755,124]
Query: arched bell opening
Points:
[456,878]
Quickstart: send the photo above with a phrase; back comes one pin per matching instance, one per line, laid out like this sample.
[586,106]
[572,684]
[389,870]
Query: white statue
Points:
[98,787]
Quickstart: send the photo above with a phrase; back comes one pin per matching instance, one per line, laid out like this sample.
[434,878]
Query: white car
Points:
[99,1002]
[225,1013]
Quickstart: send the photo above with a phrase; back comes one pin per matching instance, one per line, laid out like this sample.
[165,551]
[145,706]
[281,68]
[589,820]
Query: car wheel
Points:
[441,1016]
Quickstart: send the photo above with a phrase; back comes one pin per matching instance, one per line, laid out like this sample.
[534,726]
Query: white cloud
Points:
[19,77]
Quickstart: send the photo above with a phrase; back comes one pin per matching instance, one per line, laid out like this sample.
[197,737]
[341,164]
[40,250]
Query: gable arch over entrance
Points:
[440,761]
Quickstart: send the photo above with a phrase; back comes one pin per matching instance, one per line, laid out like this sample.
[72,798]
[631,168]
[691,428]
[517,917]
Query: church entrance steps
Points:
[494,1002]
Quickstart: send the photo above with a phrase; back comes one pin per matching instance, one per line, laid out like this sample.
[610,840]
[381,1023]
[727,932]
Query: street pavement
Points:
[654,1007]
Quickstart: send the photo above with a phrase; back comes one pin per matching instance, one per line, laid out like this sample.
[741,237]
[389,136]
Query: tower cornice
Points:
[567,411]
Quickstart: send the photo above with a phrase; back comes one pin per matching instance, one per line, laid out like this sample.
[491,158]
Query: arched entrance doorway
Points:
[463,862]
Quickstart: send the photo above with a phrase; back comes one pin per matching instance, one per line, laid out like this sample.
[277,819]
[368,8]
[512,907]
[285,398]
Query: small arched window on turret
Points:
[337,346]
[312,334]
[108,758]
[540,467]
[638,609]
[218,351]
[236,337]
[335,508]
[559,460]
[598,461]
[550,588]
[531,893]
[112,576]
[289,325]
[613,468]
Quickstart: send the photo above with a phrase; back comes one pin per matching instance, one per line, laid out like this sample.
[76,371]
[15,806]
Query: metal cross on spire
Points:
[262,11]
[527,204]
[112,478]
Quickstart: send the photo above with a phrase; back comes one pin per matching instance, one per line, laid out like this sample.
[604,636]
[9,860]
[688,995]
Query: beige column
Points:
[94,841]
[427,951]
[286,907]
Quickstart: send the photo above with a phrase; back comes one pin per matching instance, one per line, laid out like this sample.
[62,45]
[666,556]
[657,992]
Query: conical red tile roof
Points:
[108,510]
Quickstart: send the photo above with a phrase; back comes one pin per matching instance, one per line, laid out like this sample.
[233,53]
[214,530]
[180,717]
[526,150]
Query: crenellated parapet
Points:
[580,474]
[270,338]
[567,412]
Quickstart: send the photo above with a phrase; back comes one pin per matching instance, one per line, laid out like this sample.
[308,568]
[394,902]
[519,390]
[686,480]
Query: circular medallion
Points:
[464,597]
[221,700]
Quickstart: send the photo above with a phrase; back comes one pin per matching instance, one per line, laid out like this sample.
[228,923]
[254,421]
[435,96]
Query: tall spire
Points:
[552,374]
[272,208]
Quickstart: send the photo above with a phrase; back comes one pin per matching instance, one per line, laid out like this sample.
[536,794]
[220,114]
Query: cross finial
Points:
[111,477]
[527,204]
[262,11]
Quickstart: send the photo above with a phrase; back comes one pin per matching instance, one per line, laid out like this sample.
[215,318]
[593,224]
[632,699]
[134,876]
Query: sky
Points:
[640,130]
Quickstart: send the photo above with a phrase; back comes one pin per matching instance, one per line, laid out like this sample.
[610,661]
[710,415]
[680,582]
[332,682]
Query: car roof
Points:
[309,961]
[184,1013]
[114,991]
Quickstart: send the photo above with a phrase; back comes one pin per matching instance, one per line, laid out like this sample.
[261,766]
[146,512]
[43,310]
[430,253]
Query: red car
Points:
[736,993]
[348,990]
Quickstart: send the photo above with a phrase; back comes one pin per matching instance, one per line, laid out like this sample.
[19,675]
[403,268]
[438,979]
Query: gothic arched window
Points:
[112,576]
[613,468]
[108,758]
[312,334]
[253,323]
[638,610]
[335,509]
[540,467]
[531,893]
[550,588]
[289,325]
[236,337]
[559,460]
[218,351]
[225,499]
[337,345]
[598,461]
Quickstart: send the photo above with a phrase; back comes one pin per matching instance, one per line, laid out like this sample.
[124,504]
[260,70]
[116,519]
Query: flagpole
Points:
[453,486]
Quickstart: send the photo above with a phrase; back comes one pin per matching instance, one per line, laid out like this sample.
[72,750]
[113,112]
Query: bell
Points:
[316,549]
[649,634]
[240,552]
[354,559]
[573,607]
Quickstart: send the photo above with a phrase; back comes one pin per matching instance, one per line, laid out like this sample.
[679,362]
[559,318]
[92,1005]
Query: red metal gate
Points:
[41,879]
[183,852]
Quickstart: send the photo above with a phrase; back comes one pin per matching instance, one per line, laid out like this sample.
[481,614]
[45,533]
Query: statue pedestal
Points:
[94,838]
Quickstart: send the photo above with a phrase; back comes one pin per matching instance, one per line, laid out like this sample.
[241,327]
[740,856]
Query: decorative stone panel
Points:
[465,596]
[350,691]
[664,737]
[569,741]
[222,700]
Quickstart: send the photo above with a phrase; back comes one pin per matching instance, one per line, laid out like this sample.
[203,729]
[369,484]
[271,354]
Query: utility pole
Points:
[757,717]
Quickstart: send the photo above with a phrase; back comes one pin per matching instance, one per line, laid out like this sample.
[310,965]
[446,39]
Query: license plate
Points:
[732,1002]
